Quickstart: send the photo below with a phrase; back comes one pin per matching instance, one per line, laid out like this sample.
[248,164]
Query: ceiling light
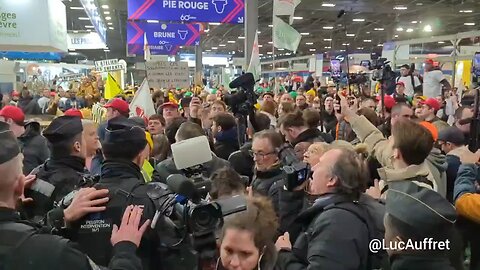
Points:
[84,18]
[78,8]
[400,8]
[260,54]
[419,4]
[153,21]
[110,23]
[367,40]
[327,39]
[441,42]
[367,32]
[214,23]
[342,50]
[269,52]
[409,30]
[222,45]
[111,28]
[358,20]
[231,41]
[259,32]
[360,48]
[75,31]
[427,28]
[466,11]
[469,24]
[298,18]
[400,29]
[270,42]
[181,47]
[414,22]
[89,26]
[328,47]
[105,6]
[206,30]
[106,50]
[89,30]
[270,25]
[106,12]
[328,5]
[108,18]
[312,50]
[214,48]
[346,44]
[380,45]
[396,36]
[241,37]
[309,43]
[208,50]
[328,27]
[281,49]
[304,34]
[379,29]
[260,45]
[350,35]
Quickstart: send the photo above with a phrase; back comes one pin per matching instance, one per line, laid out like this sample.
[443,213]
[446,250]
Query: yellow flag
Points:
[147,171]
[111,88]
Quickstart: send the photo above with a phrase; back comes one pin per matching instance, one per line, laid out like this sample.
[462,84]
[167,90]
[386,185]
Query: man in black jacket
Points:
[33,144]
[225,135]
[28,246]
[336,228]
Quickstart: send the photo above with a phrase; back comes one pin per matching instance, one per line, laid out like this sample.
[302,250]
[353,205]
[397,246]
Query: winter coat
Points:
[29,105]
[34,147]
[269,184]
[403,262]
[242,162]
[226,142]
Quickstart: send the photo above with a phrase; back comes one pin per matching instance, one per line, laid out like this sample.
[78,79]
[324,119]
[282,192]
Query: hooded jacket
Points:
[226,142]
[34,147]
[382,149]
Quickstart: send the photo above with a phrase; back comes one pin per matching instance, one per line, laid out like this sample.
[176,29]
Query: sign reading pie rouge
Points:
[222,11]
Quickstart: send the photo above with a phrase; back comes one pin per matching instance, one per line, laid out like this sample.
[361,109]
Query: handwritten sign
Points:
[108,65]
[164,74]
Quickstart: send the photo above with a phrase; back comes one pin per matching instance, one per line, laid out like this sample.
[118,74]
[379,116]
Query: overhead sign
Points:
[95,18]
[222,11]
[161,38]
[23,29]
[85,41]
[164,74]
[108,65]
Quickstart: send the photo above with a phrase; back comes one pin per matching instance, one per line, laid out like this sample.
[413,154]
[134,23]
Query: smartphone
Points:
[335,68]
[476,64]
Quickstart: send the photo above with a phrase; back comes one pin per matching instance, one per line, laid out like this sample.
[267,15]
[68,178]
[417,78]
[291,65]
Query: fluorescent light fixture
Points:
[281,49]
[469,24]
[312,50]
[270,42]
[466,11]
[441,42]
[367,40]
[379,29]
[367,32]
[214,48]
[260,45]
[214,23]
[427,28]
[269,52]
[222,45]
[350,35]
[89,30]
[108,18]
[105,6]
[259,32]
[304,34]
[328,27]
[380,45]
[89,26]
[400,8]
[327,39]
[260,54]
[75,31]
[77,8]
[106,50]
[206,30]
[328,5]
[328,47]
[231,41]
[181,47]
[342,50]
[346,44]
[106,12]
[298,18]
[153,21]
[111,28]
[419,4]
[71,50]
[270,25]
[84,18]
[396,36]
[414,22]
[358,20]
[241,37]
[360,48]
[400,29]
[208,50]
[409,30]
[309,43]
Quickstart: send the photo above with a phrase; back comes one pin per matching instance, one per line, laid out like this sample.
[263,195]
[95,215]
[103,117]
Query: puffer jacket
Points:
[34,147]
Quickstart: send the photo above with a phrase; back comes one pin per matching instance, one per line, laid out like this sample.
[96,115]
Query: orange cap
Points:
[431,128]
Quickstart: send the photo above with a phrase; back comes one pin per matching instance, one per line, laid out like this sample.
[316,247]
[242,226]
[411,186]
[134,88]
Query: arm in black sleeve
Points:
[290,205]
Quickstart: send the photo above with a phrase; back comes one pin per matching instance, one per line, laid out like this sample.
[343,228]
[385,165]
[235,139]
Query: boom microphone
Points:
[245,80]
[181,185]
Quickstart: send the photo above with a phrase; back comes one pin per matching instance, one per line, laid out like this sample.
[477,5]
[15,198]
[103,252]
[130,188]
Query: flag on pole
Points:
[285,7]
[254,67]
[98,113]
[111,88]
[146,48]
[285,36]
[142,103]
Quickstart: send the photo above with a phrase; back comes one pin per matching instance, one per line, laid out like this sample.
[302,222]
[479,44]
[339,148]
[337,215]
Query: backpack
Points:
[377,260]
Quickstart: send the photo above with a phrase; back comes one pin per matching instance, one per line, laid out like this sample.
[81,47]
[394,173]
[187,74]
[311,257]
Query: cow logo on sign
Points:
[219,5]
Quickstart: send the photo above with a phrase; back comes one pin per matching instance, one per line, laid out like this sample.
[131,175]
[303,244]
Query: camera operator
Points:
[28,246]
[336,229]
[410,82]
[187,131]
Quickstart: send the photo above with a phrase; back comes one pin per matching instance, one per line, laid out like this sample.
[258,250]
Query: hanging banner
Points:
[164,74]
[108,65]
[222,11]
[93,13]
[85,41]
[162,38]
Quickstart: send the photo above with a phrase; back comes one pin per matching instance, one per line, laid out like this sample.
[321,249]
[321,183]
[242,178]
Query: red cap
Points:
[14,113]
[119,105]
[389,101]
[15,94]
[429,61]
[52,94]
[171,104]
[73,112]
[432,103]
[401,83]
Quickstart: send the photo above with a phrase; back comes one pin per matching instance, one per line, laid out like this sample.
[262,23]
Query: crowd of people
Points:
[394,168]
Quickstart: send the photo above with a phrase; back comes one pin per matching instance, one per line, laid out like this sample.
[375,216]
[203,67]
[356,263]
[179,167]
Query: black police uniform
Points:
[26,246]
[126,186]
[62,173]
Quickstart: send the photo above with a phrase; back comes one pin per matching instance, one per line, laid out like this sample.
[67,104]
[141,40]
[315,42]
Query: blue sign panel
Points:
[93,13]
[222,11]
[161,38]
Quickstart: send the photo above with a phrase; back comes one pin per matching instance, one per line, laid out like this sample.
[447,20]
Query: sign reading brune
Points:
[222,11]
[164,74]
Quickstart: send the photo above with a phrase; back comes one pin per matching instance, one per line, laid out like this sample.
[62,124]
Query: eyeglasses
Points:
[259,154]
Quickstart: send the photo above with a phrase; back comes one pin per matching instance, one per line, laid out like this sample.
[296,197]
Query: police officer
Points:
[24,246]
[64,171]
[422,216]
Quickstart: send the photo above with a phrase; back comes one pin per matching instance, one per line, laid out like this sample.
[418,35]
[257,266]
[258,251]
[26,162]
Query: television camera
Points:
[243,101]
[296,170]
[382,71]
